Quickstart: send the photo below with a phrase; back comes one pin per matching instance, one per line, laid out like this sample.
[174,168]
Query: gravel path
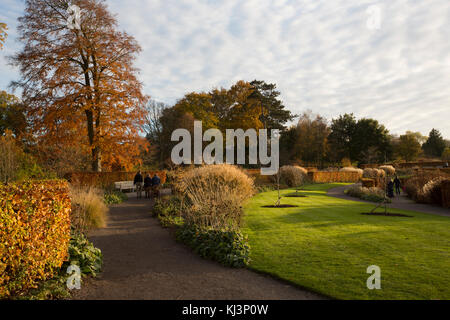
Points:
[143,261]
[402,203]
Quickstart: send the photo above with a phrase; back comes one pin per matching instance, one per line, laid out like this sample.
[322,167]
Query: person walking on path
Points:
[138,181]
[156,182]
[390,189]
[148,186]
[397,184]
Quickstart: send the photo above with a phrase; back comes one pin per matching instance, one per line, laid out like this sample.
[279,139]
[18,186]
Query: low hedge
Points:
[333,176]
[105,180]
[34,233]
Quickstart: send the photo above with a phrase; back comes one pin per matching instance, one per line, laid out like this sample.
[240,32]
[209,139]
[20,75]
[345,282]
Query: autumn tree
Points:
[311,143]
[408,147]
[12,115]
[3,34]
[79,84]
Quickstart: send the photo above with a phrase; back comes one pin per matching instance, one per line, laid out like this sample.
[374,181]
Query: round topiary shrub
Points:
[293,176]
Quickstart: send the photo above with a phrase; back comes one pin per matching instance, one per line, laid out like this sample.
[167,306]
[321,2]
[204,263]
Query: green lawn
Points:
[326,245]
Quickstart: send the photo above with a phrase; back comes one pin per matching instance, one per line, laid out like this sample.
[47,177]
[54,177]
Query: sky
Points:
[388,60]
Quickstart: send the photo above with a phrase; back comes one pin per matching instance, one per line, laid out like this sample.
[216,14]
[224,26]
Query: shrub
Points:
[389,170]
[167,207]
[229,248]
[432,191]
[114,197]
[293,176]
[369,194]
[89,210]
[83,254]
[368,183]
[352,169]
[214,196]
[414,186]
[34,233]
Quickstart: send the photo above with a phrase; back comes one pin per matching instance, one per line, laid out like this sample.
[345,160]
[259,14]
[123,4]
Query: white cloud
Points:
[319,53]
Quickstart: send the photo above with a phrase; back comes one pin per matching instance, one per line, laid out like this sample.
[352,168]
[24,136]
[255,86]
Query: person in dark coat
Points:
[138,181]
[390,189]
[397,184]
[148,185]
[156,182]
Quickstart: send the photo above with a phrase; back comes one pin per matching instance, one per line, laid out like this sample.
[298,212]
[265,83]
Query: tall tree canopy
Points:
[12,115]
[311,145]
[79,85]
[408,146]
[274,113]
[341,136]
[435,144]
[364,140]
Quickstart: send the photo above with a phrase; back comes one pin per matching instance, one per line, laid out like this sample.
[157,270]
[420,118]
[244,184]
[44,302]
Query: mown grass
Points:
[326,245]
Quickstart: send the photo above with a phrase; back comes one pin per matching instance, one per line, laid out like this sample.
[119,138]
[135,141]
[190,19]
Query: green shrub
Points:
[114,197]
[170,221]
[167,207]
[229,248]
[83,254]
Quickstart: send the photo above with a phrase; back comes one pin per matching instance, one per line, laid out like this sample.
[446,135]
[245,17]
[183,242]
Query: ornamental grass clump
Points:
[390,170]
[214,195]
[89,210]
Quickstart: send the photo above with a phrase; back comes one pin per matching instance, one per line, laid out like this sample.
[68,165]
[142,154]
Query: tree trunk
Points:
[96,152]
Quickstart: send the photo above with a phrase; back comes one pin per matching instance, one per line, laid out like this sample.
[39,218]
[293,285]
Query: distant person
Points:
[138,181]
[156,182]
[148,185]
[397,183]
[446,165]
[390,189]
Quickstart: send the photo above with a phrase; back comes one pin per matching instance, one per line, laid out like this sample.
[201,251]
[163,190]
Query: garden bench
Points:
[125,185]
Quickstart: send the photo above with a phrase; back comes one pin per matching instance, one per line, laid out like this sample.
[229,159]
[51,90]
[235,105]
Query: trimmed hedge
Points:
[105,180]
[333,176]
[34,233]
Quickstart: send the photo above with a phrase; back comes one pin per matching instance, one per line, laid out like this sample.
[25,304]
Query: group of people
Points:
[148,184]
[394,184]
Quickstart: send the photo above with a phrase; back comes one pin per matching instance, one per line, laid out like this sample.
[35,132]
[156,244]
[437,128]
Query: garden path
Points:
[402,202]
[143,261]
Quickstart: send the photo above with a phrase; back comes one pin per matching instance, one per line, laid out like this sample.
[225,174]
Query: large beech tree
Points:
[79,84]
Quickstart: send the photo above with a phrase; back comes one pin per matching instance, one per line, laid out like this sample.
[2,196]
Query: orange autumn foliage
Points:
[34,233]
[79,86]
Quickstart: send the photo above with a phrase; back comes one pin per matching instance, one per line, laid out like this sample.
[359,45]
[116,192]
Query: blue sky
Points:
[323,55]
